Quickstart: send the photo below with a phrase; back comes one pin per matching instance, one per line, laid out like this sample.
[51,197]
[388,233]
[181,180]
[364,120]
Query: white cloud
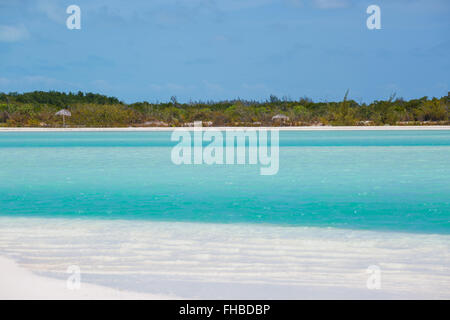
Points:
[13,33]
[254,86]
[331,4]
[212,87]
[173,87]
[52,9]
[36,82]
[232,5]
[4,81]
[294,3]
[40,80]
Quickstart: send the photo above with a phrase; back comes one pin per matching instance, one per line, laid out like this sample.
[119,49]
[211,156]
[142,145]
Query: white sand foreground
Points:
[216,261]
[19,283]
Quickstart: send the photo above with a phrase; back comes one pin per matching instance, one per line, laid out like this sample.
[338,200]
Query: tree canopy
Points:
[38,108]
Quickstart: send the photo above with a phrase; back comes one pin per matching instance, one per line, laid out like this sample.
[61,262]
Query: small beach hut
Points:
[280,118]
[64,113]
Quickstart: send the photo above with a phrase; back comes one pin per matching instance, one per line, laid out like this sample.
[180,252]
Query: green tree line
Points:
[38,108]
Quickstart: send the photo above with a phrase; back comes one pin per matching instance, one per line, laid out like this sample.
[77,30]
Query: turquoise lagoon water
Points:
[374,180]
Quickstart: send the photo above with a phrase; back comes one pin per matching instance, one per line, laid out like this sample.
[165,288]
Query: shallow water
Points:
[374,180]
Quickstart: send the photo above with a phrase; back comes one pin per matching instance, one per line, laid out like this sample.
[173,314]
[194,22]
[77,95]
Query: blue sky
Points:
[224,49]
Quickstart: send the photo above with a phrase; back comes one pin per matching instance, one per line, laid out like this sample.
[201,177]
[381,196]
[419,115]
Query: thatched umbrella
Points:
[64,113]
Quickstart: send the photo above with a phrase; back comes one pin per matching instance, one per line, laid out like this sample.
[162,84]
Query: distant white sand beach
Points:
[121,259]
[306,128]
